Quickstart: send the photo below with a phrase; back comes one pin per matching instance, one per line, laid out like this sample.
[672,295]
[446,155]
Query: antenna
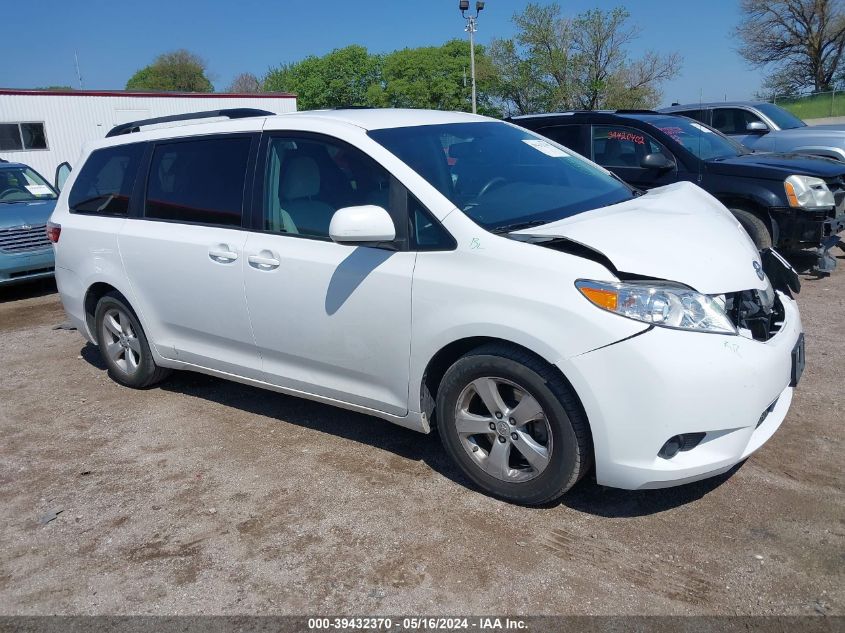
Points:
[78,74]
[700,134]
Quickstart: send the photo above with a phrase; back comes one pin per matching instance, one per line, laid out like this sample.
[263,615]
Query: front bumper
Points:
[800,228]
[642,391]
[26,266]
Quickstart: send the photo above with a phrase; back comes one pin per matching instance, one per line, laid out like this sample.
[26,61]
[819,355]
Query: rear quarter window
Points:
[567,135]
[104,184]
[698,115]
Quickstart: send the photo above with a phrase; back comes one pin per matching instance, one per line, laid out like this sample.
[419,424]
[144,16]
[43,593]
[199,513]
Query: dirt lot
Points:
[204,496]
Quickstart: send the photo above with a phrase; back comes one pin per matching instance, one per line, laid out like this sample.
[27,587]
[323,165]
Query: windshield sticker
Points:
[698,126]
[674,132]
[639,139]
[547,148]
[38,190]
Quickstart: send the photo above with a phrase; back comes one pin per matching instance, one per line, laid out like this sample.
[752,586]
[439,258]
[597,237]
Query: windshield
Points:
[22,184]
[702,140]
[780,117]
[501,176]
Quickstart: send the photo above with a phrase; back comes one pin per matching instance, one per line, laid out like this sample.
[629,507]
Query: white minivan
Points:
[436,269]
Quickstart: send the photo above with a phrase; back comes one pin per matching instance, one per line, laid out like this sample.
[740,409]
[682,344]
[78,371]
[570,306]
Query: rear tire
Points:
[123,344]
[513,425]
[755,227]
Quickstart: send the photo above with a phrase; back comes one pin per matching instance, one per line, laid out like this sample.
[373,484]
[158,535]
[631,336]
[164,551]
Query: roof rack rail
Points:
[635,111]
[230,113]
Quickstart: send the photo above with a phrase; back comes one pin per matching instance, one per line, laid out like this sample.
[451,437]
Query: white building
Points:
[45,128]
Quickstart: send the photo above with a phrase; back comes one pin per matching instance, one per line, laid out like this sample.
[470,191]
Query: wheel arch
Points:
[732,201]
[93,294]
[447,355]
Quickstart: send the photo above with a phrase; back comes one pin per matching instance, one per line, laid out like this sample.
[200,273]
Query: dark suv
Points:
[786,200]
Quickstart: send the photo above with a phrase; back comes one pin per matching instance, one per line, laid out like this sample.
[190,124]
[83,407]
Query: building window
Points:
[22,136]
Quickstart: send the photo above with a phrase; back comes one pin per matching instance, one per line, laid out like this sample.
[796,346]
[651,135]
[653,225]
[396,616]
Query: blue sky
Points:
[114,39]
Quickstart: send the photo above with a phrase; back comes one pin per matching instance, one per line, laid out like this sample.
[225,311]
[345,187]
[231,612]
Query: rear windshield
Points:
[22,184]
[502,176]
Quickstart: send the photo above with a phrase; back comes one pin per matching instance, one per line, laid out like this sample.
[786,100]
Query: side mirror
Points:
[367,225]
[757,127]
[657,161]
[62,173]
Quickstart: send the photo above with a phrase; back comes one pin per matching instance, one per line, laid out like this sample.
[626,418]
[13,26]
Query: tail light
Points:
[53,231]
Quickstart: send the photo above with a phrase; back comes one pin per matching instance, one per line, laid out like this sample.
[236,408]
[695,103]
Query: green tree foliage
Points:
[559,63]
[429,77]
[177,71]
[344,77]
[436,77]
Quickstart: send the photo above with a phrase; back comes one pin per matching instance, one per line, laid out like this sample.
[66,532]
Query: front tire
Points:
[513,425]
[123,344]
[755,227]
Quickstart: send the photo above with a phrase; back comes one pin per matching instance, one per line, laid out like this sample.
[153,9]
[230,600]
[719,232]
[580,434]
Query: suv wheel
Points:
[513,425]
[755,227]
[123,344]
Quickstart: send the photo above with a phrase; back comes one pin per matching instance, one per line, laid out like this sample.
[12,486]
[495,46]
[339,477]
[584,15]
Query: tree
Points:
[583,62]
[178,71]
[344,77]
[436,77]
[245,83]
[800,41]
[517,82]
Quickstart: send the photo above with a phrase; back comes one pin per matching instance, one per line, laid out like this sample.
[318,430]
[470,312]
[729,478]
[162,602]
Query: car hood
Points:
[810,136]
[34,212]
[776,166]
[837,129]
[676,233]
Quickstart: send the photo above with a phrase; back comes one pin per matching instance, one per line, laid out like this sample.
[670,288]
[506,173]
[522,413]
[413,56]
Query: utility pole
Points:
[471,28]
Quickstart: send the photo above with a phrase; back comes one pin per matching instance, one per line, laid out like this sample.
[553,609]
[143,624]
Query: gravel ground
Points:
[203,496]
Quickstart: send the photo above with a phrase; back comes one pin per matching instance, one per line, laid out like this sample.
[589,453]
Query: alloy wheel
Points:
[122,344]
[504,429]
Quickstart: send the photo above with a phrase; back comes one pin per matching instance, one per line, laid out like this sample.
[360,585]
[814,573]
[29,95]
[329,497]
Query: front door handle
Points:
[263,261]
[222,254]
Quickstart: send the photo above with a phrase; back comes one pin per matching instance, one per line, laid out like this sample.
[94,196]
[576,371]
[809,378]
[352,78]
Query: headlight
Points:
[807,192]
[656,303]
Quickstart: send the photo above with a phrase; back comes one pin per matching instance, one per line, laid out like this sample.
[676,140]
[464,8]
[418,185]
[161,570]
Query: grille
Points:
[837,188]
[21,240]
[760,313]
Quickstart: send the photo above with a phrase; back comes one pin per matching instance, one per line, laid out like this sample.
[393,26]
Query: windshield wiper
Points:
[516,226]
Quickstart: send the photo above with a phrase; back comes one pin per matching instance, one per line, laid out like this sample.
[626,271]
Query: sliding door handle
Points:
[222,254]
[265,261]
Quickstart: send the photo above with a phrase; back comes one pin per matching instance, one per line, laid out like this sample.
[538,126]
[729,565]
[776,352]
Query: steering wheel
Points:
[491,184]
[11,191]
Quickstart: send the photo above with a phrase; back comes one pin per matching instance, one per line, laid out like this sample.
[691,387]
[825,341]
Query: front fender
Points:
[753,191]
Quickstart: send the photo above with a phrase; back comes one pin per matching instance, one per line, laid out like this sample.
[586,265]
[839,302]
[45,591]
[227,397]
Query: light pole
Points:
[471,28]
